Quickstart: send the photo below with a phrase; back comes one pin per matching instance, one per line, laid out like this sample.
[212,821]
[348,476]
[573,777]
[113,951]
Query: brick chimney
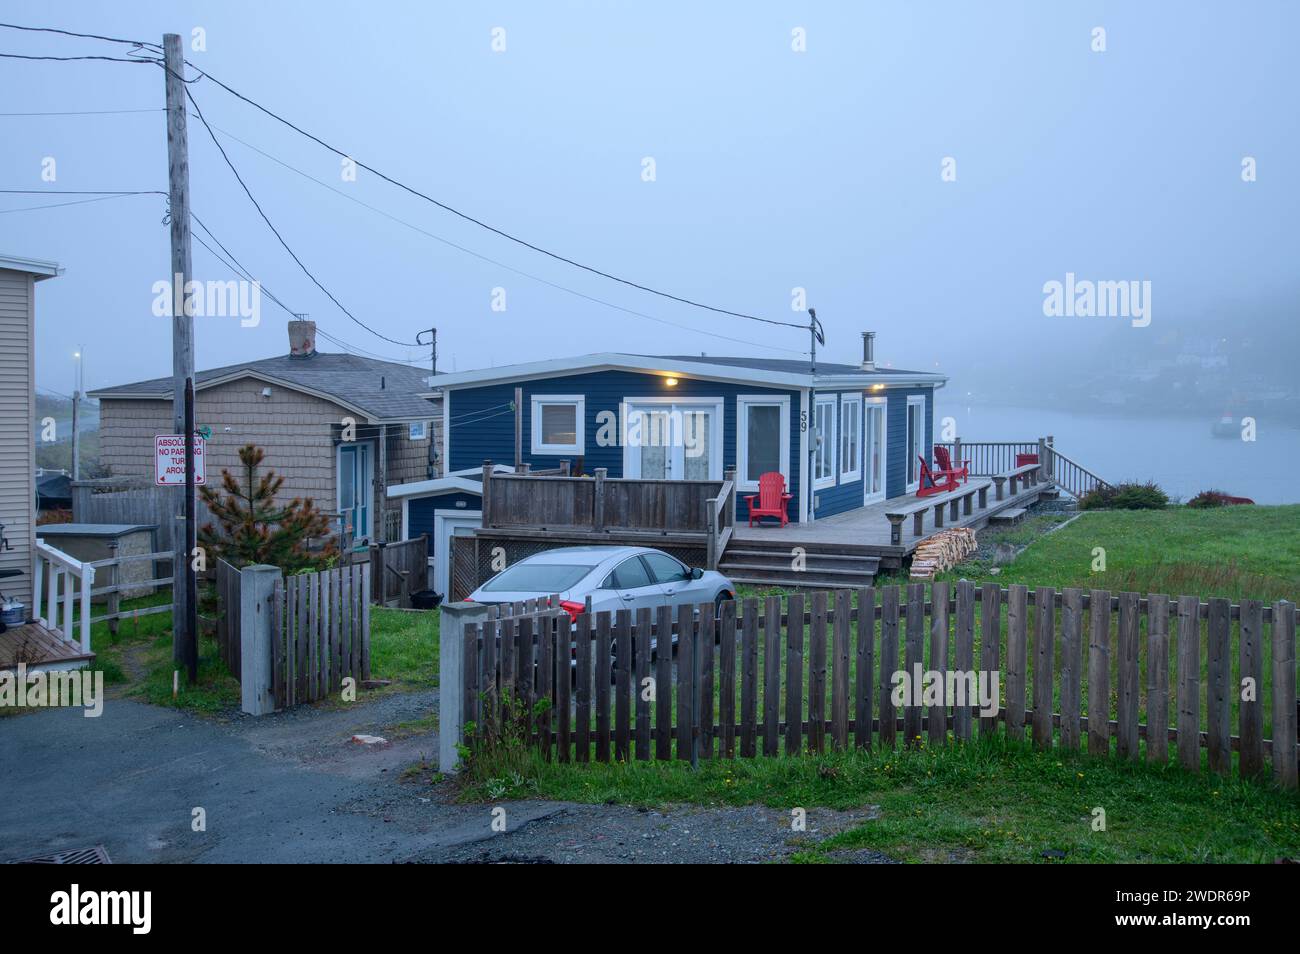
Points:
[302,338]
[868,351]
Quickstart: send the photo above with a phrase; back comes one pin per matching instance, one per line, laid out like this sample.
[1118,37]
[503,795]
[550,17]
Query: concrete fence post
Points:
[452,620]
[256,630]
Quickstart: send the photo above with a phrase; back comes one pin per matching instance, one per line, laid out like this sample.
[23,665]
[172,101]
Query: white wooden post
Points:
[66,628]
[38,571]
[87,581]
[256,618]
[452,620]
[52,598]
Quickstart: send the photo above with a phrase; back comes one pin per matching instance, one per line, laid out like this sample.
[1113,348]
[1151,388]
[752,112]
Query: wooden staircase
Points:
[824,566]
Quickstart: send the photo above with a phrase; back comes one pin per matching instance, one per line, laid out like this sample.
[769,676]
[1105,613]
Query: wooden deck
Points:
[867,528]
[40,649]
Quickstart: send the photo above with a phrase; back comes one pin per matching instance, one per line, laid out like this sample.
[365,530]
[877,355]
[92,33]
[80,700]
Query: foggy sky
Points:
[775,169]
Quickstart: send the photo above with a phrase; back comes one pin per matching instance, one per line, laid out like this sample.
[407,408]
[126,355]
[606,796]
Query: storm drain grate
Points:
[77,856]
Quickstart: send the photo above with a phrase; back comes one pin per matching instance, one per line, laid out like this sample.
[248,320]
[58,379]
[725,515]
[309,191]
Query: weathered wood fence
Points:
[228,628]
[399,569]
[319,630]
[600,503]
[776,675]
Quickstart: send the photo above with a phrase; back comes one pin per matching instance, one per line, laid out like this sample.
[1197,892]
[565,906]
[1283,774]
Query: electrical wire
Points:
[60,205]
[231,262]
[153,47]
[306,271]
[469,218]
[485,258]
[90,112]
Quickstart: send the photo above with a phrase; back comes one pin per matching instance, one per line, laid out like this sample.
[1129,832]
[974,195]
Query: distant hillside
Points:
[57,454]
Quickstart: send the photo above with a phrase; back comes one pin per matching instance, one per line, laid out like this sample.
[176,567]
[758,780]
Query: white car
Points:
[614,578]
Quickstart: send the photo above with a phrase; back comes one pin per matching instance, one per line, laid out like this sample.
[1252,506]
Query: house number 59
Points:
[803,421]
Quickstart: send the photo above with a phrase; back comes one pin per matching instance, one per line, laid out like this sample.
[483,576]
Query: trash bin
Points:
[1023,459]
[425,600]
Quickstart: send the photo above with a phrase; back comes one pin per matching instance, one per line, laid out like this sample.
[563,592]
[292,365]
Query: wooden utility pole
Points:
[184,635]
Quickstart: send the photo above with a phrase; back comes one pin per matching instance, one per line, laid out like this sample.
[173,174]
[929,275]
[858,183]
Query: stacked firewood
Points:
[942,552]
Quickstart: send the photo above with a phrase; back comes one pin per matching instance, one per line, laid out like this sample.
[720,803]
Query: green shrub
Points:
[1126,496]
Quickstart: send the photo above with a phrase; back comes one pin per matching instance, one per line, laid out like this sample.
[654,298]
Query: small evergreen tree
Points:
[253,529]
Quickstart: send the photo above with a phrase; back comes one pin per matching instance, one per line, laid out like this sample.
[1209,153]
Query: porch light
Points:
[671,382]
[877,387]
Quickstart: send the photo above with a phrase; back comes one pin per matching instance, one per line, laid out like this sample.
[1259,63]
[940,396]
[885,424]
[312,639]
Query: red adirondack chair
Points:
[770,500]
[944,477]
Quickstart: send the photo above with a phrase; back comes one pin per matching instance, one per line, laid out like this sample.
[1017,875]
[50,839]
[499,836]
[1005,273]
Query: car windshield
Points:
[537,578]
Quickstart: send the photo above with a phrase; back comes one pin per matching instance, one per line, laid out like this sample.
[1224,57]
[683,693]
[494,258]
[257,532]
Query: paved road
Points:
[293,788]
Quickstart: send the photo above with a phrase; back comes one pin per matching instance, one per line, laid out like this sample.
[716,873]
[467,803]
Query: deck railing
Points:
[988,458]
[54,567]
[597,503]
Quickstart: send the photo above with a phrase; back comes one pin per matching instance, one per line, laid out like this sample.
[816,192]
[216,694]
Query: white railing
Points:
[53,567]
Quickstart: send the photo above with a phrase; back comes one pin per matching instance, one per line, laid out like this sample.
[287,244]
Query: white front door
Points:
[444,525]
[915,441]
[873,457]
[669,440]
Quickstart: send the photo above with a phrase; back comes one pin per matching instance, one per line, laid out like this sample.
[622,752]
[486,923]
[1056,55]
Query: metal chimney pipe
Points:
[868,351]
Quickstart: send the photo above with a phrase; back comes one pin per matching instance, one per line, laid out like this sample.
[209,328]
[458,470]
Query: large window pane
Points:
[696,441]
[763,434]
[559,424]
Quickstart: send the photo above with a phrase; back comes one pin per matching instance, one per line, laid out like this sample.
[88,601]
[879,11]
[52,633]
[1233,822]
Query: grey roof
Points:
[382,390]
[783,365]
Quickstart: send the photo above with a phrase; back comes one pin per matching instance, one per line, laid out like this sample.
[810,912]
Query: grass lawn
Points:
[988,801]
[995,799]
[403,648]
[1234,552]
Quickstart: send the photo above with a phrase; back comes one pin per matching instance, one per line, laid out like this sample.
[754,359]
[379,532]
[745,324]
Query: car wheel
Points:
[722,597]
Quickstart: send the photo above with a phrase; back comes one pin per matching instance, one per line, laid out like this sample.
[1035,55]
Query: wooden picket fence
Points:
[324,622]
[839,653]
[229,642]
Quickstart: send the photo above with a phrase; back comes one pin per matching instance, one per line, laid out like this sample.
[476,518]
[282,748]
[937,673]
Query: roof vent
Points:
[302,337]
[868,351]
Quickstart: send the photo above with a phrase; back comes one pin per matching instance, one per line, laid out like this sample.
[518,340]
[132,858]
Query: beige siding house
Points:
[18,278]
[339,428]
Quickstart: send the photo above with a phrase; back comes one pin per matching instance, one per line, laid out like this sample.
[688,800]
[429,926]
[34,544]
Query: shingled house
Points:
[296,407]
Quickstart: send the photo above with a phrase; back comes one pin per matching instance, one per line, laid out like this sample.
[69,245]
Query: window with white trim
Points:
[557,421]
[824,458]
[851,438]
[763,438]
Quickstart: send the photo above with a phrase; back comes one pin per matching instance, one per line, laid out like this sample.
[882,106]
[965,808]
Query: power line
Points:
[69,59]
[238,268]
[493,261]
[271,226]
[90,112]
[448,208]
[80,192]
[84,36]
[59,205]
[469,218]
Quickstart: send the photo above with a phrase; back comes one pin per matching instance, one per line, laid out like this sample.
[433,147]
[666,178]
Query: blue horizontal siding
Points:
[896,463]
[844,495]
[483,428]
[420,511]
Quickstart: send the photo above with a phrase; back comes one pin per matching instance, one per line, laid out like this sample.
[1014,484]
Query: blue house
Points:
[843,437]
